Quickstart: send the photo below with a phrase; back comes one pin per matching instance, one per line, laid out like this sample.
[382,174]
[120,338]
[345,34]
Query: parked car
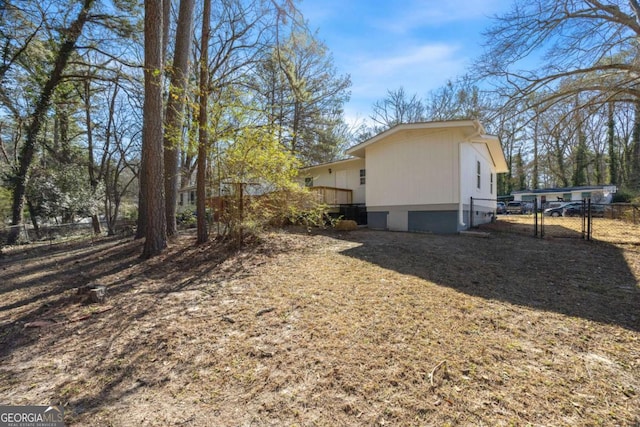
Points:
[558,210]
[596,210]
[501,208]
[515,207]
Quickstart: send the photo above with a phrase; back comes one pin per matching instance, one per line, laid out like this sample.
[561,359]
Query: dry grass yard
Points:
[328,329]
[606,230]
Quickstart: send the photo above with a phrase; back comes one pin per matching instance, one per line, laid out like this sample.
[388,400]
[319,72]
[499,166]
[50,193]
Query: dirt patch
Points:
[357,328]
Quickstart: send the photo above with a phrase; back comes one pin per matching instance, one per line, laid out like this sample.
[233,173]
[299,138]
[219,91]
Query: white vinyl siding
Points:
[413,168]
[478,162]
[344,174]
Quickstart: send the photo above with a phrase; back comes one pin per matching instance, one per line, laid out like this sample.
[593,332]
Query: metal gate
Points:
[569,221]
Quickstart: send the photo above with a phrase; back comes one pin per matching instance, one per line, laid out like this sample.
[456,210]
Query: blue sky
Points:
[385,44]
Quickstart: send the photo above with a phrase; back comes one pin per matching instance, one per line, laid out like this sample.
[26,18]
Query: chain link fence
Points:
[614,223]
[27,233]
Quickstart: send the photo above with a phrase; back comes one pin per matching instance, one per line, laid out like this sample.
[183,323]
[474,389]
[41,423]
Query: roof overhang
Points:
[472,130]
[331,164]
[495,151]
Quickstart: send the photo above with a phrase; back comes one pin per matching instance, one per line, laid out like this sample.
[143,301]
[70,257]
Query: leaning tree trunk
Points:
[155,232]
[19,178]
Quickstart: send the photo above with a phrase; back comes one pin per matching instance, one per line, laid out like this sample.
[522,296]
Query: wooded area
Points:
[107,108]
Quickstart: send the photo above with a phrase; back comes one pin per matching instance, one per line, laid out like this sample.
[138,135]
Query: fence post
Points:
[535,217]
[541,213]
[583,216]
[589,219]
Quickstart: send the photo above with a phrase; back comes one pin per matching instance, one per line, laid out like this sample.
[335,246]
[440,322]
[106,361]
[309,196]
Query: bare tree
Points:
[112,137]
[396,108]
[458,99]
[588,42]
[588,55]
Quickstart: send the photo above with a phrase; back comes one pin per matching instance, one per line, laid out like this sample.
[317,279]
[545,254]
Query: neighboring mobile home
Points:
[421,176]
[597,193]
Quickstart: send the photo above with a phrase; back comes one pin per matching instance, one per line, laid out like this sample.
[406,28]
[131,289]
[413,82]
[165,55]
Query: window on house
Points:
[181,199]
[478,176]
[192,197]
[308,181]
[363,176]
[491,183]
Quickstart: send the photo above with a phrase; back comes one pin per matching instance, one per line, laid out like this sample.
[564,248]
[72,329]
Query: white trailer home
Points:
[421,176]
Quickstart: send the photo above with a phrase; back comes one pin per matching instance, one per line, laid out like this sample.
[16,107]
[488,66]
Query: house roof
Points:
[565,189]
[472,129]
[336,162]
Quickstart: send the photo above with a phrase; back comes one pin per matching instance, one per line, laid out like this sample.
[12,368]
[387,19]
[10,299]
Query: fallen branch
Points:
[228,319]
[265,311]
[433,371]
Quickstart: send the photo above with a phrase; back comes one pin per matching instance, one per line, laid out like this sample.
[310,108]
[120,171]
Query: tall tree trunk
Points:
[634,152]
[558,154]
[33,216]
[581,151]
[535,184]
[155,233]
[611,142]
[580,172]
[175,107]
[521,178]
[19,178]
[203,135]
[93,181]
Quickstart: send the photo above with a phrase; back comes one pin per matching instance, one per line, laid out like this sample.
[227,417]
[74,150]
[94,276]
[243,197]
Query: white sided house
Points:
[420,177]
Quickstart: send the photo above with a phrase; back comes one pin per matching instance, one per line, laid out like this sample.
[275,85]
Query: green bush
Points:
[5,205]
[294,205]
[186,218]
[624,195]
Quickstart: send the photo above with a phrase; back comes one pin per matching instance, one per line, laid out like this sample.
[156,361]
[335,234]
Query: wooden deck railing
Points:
[333,196]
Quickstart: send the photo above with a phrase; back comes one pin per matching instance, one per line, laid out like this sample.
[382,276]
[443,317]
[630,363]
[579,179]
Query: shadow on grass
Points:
[591,280]
[50,284]
[110,342]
